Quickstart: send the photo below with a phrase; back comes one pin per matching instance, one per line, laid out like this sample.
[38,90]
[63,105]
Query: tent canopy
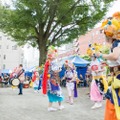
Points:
[81,65]
[79,62]
[31,69]
[7,71]
[76,60]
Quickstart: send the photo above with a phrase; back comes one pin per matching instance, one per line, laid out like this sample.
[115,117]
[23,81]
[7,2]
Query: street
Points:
[33,106]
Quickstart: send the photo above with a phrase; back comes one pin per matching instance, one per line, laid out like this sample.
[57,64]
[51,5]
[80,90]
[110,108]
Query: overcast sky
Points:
[114,8]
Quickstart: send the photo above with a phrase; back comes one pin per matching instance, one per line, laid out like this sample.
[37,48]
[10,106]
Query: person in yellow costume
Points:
[111,28]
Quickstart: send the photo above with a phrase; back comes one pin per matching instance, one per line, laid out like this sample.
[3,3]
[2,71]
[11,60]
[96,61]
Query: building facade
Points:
[80,45]
[93,36]
[11,55]
[66,50]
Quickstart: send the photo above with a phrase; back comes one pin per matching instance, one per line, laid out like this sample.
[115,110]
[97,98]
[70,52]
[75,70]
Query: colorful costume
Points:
[111,28]
[71,81]
[35,81]
[50,83]
[99,84]
[71,86]
[113,103]
[54,90]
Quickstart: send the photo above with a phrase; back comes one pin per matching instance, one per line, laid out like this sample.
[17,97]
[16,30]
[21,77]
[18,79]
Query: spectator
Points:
[6,79]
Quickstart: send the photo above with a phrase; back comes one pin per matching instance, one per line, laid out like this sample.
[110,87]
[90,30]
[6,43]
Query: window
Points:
[7,47]
[22,55]
[3,66]
[14,47]
[0,37]
[4,57]
[8,38]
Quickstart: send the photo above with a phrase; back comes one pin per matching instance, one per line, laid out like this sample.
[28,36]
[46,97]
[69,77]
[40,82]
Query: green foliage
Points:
[43,23]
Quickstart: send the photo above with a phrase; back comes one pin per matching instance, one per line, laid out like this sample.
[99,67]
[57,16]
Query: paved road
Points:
[33,106]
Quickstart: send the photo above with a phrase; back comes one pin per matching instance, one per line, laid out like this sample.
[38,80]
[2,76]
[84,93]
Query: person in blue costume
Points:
[50,83]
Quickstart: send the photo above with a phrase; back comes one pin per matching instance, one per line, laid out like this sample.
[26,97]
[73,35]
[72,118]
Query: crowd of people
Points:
[100,84]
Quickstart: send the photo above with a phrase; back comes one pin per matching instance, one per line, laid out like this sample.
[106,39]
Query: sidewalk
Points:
[33,106]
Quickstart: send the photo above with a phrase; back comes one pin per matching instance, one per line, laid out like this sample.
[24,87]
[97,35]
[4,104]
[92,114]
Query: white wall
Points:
[9,56]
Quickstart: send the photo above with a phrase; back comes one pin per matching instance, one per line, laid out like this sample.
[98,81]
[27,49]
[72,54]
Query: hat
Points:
[117,16]
[52,52]
[111,26]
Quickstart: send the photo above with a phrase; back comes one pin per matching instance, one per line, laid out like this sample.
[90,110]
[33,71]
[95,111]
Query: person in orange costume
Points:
[111,28]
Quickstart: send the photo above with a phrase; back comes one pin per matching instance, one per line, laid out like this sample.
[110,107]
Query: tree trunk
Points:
[42,55]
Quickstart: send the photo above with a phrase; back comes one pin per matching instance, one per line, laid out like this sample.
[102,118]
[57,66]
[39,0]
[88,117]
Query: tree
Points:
[42,23]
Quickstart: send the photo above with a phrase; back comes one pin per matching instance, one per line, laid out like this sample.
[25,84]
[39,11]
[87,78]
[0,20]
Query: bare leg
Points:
[69,94]
[71,97]
[50,108]
[59,103]
[60,106]
[50,104]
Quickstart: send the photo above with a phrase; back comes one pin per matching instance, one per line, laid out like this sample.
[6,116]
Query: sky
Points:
[114,8]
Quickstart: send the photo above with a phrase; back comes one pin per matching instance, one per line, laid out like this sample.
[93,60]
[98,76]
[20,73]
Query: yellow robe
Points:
[112,112]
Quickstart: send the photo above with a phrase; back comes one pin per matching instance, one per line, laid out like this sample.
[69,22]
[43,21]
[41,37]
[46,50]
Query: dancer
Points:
[36,81]
[70,77]
[50,84]
[111,28]
[99,84]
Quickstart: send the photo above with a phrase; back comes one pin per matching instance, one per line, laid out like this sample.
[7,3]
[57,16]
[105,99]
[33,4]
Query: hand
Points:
[98,54]
[62,78]
[96,71]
